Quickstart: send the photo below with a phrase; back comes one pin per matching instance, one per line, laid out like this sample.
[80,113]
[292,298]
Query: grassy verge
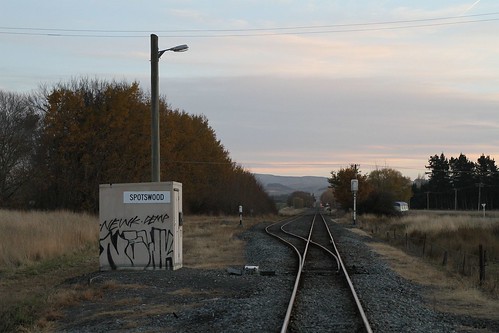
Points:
[416,244]
[212,242]
[30,237]
[26,291]
[40,250]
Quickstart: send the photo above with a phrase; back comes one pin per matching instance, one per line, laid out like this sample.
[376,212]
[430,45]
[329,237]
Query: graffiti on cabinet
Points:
[137,242]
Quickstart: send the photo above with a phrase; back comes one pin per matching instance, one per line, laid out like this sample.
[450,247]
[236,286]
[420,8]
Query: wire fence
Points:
[480,266]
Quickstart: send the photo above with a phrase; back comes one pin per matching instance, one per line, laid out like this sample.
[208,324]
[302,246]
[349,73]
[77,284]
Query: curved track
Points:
[320,271]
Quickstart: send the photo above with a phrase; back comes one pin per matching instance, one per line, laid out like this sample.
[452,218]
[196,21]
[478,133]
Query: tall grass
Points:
[445,238]
[28,237]
[39,246]
[456,231]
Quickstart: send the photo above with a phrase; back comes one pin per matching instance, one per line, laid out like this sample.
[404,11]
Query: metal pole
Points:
[479,195]
[155,158]
[354,207]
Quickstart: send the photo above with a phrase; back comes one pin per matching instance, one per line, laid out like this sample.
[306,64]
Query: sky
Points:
[292,88]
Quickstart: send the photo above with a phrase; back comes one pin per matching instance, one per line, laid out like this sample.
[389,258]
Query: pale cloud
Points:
[301,104]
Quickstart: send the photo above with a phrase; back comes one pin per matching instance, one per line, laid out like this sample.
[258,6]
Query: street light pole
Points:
[155,172]
[155,55]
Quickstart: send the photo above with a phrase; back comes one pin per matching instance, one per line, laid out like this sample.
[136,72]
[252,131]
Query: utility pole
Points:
[155,171]
[479,195]
[155,55]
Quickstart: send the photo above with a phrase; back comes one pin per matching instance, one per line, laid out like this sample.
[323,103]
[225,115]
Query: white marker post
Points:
[240,215]
[354,185]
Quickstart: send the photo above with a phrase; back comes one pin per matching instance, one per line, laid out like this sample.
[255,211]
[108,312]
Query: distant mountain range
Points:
[284,185]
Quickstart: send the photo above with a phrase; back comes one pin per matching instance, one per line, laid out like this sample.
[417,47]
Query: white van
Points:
[401,206]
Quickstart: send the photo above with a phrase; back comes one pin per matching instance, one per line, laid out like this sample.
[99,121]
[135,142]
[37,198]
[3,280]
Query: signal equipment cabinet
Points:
[140,226]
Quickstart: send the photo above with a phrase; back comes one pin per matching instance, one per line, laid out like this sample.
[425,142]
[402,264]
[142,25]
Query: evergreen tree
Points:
[439,182]
[462,178]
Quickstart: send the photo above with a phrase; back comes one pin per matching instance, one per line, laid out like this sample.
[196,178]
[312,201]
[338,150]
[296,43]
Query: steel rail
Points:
[287,317]
[349,281]
[291,303]
[314,243]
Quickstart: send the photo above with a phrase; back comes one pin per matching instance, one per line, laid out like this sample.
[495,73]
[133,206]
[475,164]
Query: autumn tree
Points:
[301,199]
[97,132]
[18,135]
[391,181]
[327,198]
[93,132]
[388,186]
[340,182]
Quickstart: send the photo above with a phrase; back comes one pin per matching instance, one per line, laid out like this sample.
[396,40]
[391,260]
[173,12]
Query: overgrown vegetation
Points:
[40,250]
[58,145]
[449,240]
[30,237]
[377,191]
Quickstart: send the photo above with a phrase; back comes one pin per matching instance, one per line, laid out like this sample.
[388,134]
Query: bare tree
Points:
[18,131]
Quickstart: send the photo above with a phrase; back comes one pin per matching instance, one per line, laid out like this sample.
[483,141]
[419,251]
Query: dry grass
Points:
[449,292]
[213,242]
[446,223]
[39,250]
[29,240]
[454,289]
[451,231]
[27,237]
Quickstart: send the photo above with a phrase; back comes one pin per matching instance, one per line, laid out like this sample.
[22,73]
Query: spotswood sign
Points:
[146,197]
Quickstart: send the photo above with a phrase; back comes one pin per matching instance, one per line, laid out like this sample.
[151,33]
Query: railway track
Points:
[323,298]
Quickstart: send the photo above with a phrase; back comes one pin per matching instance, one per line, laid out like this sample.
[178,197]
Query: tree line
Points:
[458,183]
[377,191]
[58,144]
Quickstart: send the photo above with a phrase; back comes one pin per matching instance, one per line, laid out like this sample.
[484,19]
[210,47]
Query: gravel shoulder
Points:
[199,300]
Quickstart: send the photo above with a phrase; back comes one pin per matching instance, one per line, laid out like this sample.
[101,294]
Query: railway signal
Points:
[354,186]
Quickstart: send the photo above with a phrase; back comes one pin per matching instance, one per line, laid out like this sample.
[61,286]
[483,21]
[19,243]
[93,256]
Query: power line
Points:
[252,32]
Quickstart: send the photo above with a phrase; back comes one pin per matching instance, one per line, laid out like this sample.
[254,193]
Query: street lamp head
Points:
[178,48]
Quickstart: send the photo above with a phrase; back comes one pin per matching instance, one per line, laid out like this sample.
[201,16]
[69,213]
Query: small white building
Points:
[140,226]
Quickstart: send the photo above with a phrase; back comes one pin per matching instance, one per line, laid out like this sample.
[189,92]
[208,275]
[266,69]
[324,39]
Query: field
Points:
[41,250]
[451,240]
[441,249]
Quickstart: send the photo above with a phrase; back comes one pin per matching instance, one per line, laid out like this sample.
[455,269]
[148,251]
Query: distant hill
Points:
[283,185]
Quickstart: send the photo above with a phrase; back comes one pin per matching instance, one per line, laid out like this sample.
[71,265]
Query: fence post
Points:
[464,263]
[424,244]
[394,236]
[482,263]
[444,262]
[406,241]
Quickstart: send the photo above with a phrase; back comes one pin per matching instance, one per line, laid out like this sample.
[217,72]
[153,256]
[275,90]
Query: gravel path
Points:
[195,300]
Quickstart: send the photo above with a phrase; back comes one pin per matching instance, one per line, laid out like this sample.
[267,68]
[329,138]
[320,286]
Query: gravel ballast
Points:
[198,300]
